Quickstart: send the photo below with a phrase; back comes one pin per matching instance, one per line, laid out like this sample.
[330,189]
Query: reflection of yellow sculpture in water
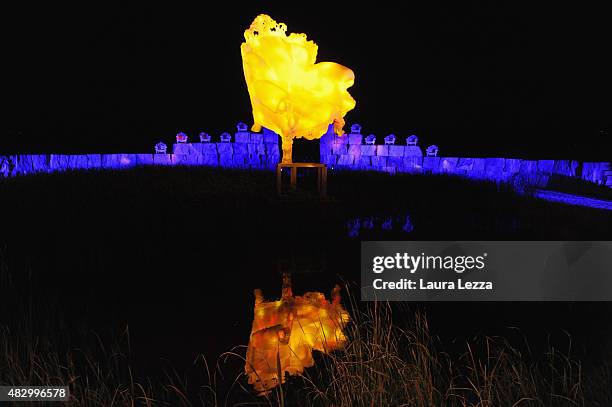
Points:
[285,332]
[290,94]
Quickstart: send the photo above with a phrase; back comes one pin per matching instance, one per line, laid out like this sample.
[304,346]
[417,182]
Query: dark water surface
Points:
[175,254]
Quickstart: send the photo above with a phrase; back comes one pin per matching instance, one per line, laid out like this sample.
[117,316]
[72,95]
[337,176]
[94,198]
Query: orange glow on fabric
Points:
[290,93]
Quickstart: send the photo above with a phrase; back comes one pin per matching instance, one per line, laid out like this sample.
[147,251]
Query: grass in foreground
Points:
[74,221]
[384,364]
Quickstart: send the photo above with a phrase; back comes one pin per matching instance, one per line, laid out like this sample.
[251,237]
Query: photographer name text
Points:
[421,284]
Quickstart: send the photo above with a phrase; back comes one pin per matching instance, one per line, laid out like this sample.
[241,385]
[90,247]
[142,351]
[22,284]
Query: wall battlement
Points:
[246,151]
[349,153]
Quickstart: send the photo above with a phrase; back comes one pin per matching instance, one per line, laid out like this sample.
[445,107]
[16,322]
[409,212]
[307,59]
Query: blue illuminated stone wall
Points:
[248,150]
[349,153]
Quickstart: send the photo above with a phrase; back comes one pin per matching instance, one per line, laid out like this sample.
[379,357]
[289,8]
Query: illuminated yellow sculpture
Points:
[290,94]
[285,332]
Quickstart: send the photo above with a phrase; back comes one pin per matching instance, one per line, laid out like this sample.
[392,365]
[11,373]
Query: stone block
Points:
[240,160]
[464,166]
[346,160]
[546,166]
[494,168]
[24,164]
[561,167]
[368,150]
[355,150]
[127,160]
[4,166]
[471,167]
[272,150]
[339,148]
[355,139]
[599,172]
[256,161]
[13,167]
[416,161]
[208,148]
[382,150]
[78,162]
[183,148]
[161,159]
[225,149]
[144,159]
[330,160]
[363,162]
[528,167]
[327,138]
[242,137]
[39,163]
[431,164]
[325,149]
[196,148]
[271,162]
[478,167]
[209,160]
[186,159]
[379,161]
[574,166]
[413,151]
[269,136]
[111,161]
[448,164]
[257,138]
[95,160]
[396,151]
[512,166]
[343,139]
[256,148]
[413,164]
[180,159]
[588,172]
[58,162]
[226,160]
[241,148]
[395,161]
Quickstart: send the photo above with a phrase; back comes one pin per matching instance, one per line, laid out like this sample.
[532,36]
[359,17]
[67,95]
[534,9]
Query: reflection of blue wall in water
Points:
[377,224]
[353,152]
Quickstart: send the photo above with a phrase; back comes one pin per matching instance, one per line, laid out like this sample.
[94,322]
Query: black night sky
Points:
[476,80]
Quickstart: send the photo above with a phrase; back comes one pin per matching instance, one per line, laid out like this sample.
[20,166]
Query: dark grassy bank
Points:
[173,254]
[577,186]
[387,361]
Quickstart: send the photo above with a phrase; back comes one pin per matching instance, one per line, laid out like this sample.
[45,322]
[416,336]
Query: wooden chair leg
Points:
[279,185]
[324,182]
[294,178]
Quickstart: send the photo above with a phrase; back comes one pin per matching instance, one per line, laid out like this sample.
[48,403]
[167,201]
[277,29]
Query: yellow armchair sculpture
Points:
[290,93]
